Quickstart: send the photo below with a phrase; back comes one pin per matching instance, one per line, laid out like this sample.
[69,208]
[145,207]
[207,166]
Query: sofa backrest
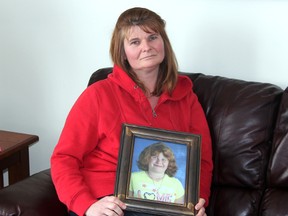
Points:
[242,117]
[278,168]
[276,194]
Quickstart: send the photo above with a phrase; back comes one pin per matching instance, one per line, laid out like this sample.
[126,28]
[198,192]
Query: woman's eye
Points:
[134,42]
[153,37]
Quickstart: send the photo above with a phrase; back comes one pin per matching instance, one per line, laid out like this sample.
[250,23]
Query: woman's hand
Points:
[110,206]
[200,207]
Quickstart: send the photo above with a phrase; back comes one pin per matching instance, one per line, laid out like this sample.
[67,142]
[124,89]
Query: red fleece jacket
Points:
[84,161]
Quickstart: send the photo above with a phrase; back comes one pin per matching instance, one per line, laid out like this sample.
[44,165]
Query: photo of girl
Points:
[156,179]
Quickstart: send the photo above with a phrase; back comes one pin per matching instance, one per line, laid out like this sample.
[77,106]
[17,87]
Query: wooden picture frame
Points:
[186,148]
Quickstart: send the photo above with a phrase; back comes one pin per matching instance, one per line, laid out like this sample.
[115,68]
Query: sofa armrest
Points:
[34,195]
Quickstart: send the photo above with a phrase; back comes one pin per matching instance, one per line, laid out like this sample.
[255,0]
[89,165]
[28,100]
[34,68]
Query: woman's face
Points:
[158,163]
[144,51]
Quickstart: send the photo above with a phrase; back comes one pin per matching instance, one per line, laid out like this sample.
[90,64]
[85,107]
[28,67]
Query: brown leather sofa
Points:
[249,127]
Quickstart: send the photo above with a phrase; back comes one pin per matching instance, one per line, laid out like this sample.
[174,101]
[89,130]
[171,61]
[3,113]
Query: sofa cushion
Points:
[274,202]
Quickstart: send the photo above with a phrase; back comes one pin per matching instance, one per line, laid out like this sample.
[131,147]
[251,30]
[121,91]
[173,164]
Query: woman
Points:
[156,179]
[143,89]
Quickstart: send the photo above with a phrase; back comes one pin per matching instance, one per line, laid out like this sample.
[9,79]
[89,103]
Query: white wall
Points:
[49,48]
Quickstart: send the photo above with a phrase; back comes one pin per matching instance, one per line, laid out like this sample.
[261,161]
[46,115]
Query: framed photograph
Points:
[158,170]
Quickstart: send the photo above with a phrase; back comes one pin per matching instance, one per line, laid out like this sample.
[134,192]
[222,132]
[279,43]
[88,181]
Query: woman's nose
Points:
[145,45]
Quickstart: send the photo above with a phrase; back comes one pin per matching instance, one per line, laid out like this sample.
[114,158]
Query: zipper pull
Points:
[154,113]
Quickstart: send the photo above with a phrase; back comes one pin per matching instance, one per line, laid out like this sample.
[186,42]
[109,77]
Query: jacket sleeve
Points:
[77,139]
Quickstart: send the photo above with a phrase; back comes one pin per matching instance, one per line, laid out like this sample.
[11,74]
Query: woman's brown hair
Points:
[148,21]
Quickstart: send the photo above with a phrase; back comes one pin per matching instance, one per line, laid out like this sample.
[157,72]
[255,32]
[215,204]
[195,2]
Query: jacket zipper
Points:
[154,113]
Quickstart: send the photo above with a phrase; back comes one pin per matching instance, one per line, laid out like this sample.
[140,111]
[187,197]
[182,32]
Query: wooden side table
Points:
[14,155]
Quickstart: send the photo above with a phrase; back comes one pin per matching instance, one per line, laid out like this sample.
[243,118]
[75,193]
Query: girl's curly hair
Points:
[155,149]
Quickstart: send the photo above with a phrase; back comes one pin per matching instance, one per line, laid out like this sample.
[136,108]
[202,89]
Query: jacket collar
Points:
[121,78]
